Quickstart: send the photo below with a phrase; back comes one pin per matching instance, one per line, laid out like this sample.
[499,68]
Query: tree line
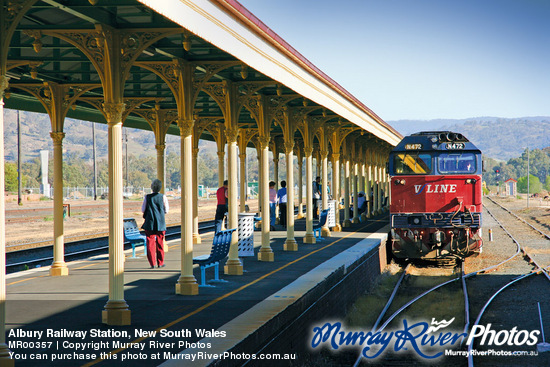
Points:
[538,161]
[78,172]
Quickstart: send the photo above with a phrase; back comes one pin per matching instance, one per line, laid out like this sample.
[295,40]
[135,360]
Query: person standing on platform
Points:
[361,202]
[316,196]
[221,209]
[272,205]
[154,208]
[281,199]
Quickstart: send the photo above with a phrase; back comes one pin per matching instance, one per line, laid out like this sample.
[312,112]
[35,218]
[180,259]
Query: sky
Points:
[425,59]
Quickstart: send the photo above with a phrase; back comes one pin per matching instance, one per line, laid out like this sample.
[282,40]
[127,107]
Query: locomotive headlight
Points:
[471,181]
[415,220]
[400,182]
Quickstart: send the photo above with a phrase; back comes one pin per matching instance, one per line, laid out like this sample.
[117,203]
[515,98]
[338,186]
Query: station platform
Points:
[56,321]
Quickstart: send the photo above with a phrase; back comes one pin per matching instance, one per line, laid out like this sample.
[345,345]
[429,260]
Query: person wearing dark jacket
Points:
[154,207]
[282,200]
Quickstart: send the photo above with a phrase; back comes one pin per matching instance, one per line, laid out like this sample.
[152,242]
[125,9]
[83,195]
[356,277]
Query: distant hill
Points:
[35,136]
[498,138]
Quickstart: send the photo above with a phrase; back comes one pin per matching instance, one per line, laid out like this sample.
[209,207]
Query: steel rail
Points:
[385,309]
[463,277]
[392,297]
[99,235]
[535,271]
[206,227]
[519,218]
[396,313]
[523,250]
[470,357]
[518,247]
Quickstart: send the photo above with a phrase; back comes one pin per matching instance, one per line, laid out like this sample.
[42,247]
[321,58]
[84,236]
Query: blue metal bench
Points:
[220,249]
[322,222]
[132,235]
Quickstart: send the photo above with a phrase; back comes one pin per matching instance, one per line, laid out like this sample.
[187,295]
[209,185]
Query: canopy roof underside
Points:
[215,31]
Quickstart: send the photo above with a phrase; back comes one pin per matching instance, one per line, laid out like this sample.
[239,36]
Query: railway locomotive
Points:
[435,197]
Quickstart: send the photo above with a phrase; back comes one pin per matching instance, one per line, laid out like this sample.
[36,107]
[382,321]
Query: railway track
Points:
[68,239]
[530,255]
[532,243]
[39,254]
[407,286]
[43,255]
[535,241]
[32,226]
[23,214]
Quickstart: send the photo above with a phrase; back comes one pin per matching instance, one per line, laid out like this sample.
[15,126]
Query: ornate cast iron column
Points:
[369,183]
[233,266]
[116,311]
[364,185]
[196,236]
[300,156]
[186,284]
[325,232]
[309,237]
[264,123]
[265,253]
[347,222]
[290,244]
[355,192]
[5,359]
[59,267]
[242,182]
[336,189]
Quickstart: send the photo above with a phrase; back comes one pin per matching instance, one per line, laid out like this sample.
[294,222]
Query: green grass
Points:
[367,308]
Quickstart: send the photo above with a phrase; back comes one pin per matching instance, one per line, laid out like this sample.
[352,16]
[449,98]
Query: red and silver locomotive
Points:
[435,196]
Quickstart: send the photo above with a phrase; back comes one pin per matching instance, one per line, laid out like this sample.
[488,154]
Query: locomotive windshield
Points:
[412,163]
[456,163]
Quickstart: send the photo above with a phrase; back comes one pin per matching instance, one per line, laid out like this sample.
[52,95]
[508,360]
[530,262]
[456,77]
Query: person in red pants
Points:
[154,207]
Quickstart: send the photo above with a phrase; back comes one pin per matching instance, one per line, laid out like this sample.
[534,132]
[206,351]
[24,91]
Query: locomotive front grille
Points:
[435,220]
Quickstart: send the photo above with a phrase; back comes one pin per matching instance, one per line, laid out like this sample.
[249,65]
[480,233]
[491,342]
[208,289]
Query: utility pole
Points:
[19,177]
[94,157]
[528,177]
[126,141]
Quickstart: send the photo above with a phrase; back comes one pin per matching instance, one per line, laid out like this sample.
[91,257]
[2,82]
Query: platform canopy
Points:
[217,34]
